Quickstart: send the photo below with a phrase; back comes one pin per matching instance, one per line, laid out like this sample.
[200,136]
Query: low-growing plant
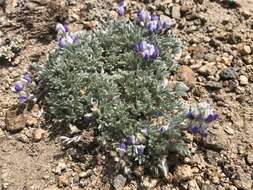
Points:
[112,80]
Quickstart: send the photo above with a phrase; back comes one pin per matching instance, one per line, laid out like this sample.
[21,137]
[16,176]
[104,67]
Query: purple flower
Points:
[22,99]
[61,42]
[203,133]
[27,78]
[190,115]
[155,54]
[131,140]
[143,16]
[200,129]
[148,51]
[140,149]
[163,129]
[67,40]
[166,25]
[194,129]
[161,25]
[202,112]
[157,25]
[122,148]
[158,114]
[62,28]
[154,18]
[211,117]
[71,39]
[140,47]
[201,115]
[66,28]
[18,87]
[121,8]
[152,25]
[144,131]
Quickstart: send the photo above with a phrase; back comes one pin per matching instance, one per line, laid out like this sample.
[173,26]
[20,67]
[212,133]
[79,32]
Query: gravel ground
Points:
[216,63]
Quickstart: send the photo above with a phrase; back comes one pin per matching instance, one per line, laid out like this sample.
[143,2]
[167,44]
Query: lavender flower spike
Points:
[121,8]
[211,117]
[200,115]
[131,140]
[62,29]
[148,51]
[71,39]
[140,149]
[22,99]
[194,129]
[18,87]
[152,25]
[155,53]
[154,17]
[62,42]
[68,40]
[206,112]
[144,131]
[122,148]
[27,78]
[143,16]
[163,129]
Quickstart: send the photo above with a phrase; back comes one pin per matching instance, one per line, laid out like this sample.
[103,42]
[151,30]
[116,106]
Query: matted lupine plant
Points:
[112,80]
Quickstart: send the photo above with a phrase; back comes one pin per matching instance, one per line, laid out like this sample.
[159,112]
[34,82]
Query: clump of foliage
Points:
[112,80]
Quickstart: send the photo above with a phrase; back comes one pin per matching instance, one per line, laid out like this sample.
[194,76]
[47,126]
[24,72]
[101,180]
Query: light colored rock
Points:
[192,185]
[244,181]
[149,183]
[53,187]
[183,173]
[187,75]
[85,174]
[249,158]
[32,117]
[208,187]
[175,12]
[39,134]
[208,70]
[245,5]
[14,121]
[119,182]
[216,142]
[248,59]
[63,181]
[2,134]
[246,50]
[243,80]
[60,167]
[23,138]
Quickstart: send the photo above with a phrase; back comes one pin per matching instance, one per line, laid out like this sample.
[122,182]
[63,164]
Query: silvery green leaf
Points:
[163,166]
[180,86]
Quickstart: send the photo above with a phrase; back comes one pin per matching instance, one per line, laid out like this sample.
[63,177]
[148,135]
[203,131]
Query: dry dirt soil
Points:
[216,63]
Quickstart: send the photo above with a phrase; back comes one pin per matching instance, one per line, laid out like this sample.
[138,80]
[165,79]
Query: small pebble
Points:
[243,80]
